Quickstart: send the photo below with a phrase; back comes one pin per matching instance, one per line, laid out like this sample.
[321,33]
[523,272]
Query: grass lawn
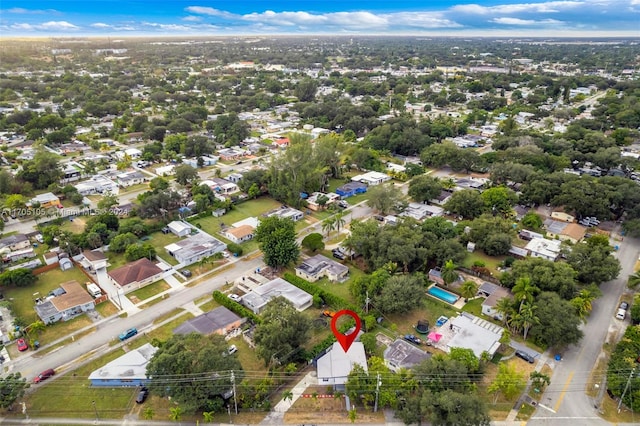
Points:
[75,226]
[247,356]
[251,208]
[475,307]
[490,262]
[106,309]
[148,291]
[208,306]
[115,260]
[159,240]
[22,298]
[134,188]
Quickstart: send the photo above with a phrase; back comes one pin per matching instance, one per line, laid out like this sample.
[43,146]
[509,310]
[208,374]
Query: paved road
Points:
[566,394]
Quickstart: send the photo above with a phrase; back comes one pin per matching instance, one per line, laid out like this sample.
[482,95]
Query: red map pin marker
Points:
[345,339]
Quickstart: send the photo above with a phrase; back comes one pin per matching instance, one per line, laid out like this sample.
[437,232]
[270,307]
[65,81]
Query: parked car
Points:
[621,314]
[186,273]
[44,375]
[413,339]
[343,204]
[526,356]
[22,345]
[337,254]
[142,395]
[235,297]
[128,333]
[232,349]
[624,305]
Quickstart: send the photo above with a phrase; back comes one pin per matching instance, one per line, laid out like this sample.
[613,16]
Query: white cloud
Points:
[422,20]
[192,18]
[100,25]
[209,11]
[23,11]
[548,7]
[46,26]
[517,21]
[57,25]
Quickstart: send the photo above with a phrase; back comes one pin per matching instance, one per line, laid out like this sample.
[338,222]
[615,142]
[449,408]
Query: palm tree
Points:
[515,322]
[634,280]
[175,413]
[329,225]
[339,221]
[504,307]
[468,289]
[528,318]
[287,395]
[207,416]
[449,273]
[148,413]
[524,291]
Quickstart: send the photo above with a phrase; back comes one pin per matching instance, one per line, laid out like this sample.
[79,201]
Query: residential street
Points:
[566,394]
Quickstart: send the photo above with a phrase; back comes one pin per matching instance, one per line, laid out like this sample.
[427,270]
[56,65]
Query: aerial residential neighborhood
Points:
[186,218]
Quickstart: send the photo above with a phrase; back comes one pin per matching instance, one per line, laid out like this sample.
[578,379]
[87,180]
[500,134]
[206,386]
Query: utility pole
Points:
[633,370]
[366,303]
[233,382]
[378,383]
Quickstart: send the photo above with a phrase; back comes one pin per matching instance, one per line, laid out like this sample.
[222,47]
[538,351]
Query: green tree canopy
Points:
[12,388]
[194,370]
[277,238]
[280,336]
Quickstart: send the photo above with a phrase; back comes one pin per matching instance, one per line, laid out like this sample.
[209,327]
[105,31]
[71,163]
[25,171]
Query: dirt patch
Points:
[327,410]
[383,339]
[134,299]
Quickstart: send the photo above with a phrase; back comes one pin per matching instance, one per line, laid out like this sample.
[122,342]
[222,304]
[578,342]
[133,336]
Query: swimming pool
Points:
[443,295]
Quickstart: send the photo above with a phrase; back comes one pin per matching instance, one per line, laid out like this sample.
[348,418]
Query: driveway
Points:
[115,294]
[566,396]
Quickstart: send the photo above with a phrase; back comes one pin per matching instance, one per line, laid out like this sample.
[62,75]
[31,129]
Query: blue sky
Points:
[245,17]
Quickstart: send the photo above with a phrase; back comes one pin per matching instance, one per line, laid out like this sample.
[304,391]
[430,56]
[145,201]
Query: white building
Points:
[333,368]
[371,178]
[546,249]
[97,184]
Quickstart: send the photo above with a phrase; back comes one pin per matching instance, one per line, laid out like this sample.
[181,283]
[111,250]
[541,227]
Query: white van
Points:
[621,314]
[94,290]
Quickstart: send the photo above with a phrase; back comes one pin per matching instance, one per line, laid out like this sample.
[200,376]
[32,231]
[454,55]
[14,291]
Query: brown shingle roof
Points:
[93,256]
[241,231]
[133,272]
[575,231]
[75,296]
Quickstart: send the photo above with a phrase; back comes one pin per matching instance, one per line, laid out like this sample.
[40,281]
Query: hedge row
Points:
[330,299]
[235,307]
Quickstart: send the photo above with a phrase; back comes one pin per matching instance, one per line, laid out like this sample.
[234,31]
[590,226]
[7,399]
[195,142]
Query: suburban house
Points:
[178,228]
[435,275]
[420,211]
[312,200]
[350,189]
[371,178]
[235,177]
[135,275]
[221,186]
[544,248]
[562,216]
[167,170]
[471,332]
[286,213]
[334,367]
[195,247]
[46,200]
[93,260]
[470,183]
[206,161]
[218,321]
[132,153]
[318,266]
[565,231]
[402,354]
[71,172]
[71,300]
[240,234]
[230,154]
[260,296]
[15,242]
[15,255]
[130,178]
[493,293]
[97,184]
[128,370]
[442,198]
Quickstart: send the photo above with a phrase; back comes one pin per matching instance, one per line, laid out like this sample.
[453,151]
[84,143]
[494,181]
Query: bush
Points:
[235,307]
[235,249]
[313,242]
[330,299]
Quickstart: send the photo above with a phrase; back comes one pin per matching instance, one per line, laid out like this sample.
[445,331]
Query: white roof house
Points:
[546,249]
[334,366]
[476,334]
[371,178]
[166,170]
[257,299]
[181,229]
[128,370]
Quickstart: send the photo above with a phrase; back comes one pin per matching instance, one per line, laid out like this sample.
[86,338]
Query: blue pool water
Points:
[443,295]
